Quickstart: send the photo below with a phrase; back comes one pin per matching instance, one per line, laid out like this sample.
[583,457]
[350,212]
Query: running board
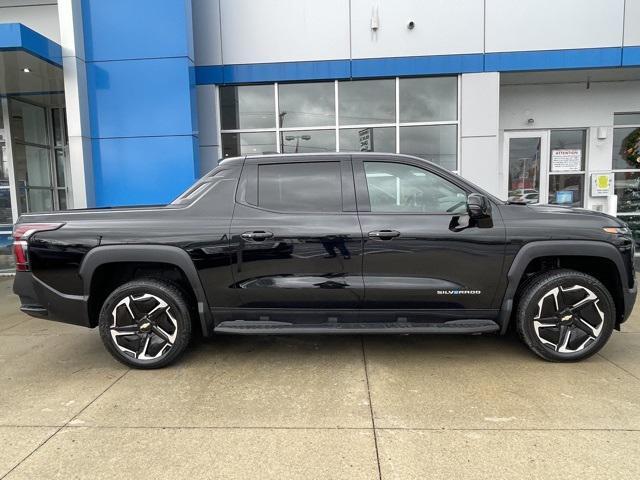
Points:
[244,327]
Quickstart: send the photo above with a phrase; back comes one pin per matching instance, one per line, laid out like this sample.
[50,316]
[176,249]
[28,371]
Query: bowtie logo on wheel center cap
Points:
[145,326]
[566,318]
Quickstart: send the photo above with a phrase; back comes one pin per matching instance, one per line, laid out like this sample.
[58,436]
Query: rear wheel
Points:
[146,323]
[564,315]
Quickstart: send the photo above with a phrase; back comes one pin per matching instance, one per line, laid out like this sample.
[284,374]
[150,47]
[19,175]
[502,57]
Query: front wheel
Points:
[564,315]
[145,323]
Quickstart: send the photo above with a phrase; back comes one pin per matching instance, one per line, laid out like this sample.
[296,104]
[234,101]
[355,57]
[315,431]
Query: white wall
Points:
[284,30]
[632,22]
[553,24]
[566,105]
[207,37]
[41,17]
[479,134]
[264,31]
[208,127]
[441,27]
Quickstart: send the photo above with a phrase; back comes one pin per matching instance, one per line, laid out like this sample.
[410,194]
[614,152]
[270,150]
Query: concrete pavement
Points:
[395,407]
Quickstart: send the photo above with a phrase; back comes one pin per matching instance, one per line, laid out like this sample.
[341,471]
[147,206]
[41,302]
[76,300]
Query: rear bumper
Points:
[39,300]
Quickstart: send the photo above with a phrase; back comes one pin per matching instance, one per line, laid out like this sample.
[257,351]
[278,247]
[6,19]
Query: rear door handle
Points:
[257,236]
[384,234]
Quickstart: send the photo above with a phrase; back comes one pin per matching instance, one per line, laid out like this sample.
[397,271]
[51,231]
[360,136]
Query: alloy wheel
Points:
[568,319]
[143,326]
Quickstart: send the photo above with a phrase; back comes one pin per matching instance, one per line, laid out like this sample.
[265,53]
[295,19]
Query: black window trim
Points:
[248,184]
[362,188]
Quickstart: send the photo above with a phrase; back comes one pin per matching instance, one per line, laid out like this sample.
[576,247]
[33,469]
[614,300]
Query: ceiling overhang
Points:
[30,63]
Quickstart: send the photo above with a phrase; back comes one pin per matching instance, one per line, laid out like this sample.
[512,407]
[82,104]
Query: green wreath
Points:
[630,150]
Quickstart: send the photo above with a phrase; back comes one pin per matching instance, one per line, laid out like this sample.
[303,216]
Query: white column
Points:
[208,124]
[13,188]
[479,131]
[77,103]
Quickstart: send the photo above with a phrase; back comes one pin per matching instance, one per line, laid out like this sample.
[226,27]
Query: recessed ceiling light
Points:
[26,70]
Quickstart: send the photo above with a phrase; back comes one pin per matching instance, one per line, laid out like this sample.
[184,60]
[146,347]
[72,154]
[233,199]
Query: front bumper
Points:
[629,297]
[39,300]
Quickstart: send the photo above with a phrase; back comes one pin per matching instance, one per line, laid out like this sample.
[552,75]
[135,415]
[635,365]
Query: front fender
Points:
[550,248]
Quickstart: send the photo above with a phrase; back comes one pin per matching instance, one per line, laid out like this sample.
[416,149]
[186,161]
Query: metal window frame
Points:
[277,130]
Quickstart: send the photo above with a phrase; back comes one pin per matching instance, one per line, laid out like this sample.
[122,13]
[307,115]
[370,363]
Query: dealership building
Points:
[122,102]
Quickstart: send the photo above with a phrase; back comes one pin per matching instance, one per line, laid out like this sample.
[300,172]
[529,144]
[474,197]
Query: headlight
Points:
[617,230]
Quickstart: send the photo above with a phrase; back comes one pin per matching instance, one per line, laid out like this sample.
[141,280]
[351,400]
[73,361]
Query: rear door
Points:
[421,250]
[296,241]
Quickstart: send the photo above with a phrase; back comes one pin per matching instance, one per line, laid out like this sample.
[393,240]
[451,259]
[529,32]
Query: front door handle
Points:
[384,234]
[257,236]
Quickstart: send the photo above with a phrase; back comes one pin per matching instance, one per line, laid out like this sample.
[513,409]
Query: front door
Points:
[296,241]
[527,155]
[421,251]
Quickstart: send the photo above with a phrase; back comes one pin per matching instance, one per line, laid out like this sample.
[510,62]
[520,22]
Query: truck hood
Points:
[574,213]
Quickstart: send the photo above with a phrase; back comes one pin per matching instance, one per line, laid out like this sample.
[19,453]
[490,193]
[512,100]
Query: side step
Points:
[244,327]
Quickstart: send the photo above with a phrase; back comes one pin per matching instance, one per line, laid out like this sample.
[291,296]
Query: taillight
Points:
[21,234]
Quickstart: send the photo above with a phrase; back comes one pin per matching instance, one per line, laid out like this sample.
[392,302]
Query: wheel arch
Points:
[557,249]
[174,257]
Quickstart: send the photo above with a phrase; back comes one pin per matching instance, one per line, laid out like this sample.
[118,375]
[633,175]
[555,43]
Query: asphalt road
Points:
[396,407]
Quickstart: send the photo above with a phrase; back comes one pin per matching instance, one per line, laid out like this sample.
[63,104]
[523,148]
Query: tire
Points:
[565,316]
[142,341]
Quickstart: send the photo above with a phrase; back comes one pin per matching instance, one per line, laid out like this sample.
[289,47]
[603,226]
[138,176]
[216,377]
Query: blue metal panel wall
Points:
[141,82]
[606,57]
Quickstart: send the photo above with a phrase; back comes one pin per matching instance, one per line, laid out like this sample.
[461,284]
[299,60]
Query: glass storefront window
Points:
[437,143]
[626,119]
[365,102]
[248,106]
[627,188]
[60,161]
[234,144]
[566,189]
[306,104]
[633,221]
[566,147]
[625,156]
[308,141]
[432,99]
[372,139]
[5,208]
[369,115]
[28,123]
[566,167]
[35,199]
[31,165]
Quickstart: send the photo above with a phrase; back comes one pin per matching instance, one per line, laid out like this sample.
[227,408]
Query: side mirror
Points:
[478,206]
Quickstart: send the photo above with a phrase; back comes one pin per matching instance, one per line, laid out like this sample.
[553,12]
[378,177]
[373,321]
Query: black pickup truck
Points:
[328,244]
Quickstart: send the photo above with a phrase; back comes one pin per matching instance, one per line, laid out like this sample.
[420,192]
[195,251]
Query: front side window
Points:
[300,187]
[401,188]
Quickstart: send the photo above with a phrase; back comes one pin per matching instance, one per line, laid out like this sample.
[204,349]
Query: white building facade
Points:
[534,100]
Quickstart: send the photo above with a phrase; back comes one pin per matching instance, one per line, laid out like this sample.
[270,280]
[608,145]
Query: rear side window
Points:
[300,187]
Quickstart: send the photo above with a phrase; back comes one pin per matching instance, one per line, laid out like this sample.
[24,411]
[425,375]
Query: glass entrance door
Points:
[39,156]
[527,155]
